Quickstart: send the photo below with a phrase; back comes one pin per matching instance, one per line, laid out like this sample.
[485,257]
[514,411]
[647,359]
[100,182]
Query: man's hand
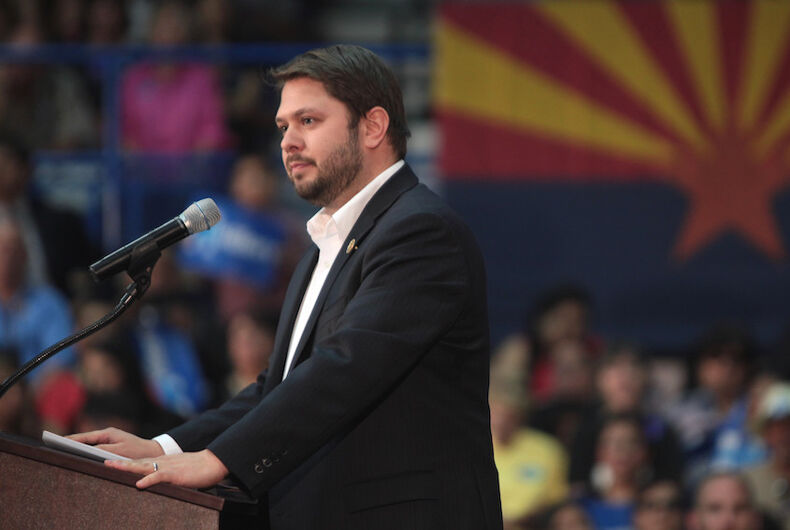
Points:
[192,470]
[120,442]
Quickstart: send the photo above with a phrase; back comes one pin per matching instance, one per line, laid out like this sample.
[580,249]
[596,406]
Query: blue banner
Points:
[244,245]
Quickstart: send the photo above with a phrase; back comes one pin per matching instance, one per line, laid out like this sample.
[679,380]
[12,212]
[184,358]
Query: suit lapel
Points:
[293,299]
[401,181]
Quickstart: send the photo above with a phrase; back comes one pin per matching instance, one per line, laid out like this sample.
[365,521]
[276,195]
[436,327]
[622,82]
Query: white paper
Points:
[78,448]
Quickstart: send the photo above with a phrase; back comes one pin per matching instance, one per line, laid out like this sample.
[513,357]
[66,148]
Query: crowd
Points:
[588,432]
[595,433]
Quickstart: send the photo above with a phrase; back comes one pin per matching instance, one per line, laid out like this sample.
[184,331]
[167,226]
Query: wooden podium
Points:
[46,488]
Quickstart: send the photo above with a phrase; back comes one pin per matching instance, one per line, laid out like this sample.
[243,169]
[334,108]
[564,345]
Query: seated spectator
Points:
[621,469]
[161,329]
[532,466]
[107,389]
[55,241]
[770,480]
[713,418]
[250,343]
[621,383]
[254,189]
[32,317]
[659,507]
[48,107]
[169,107]
[560,321]
[724,502]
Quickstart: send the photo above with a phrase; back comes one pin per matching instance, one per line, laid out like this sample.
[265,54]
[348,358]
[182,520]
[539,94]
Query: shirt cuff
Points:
[169,446]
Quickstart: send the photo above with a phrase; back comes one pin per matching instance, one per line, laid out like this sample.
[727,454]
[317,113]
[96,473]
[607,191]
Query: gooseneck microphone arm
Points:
[131,294]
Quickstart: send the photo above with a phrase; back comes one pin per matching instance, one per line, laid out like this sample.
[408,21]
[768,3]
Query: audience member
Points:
[250,343]
[713,418]
[162,328]
[659,507]
[724,502]
[532,466]
[32,317]
[48,107]
[621,383]
[54,239]
[770,480]
[254,188]
[107,21]
[172,107]
[559,329]
[621,470]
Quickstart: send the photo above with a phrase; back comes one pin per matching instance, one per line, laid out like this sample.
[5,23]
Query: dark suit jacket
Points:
[383,421]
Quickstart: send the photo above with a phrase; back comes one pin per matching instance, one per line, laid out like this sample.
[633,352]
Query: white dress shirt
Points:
[328,232]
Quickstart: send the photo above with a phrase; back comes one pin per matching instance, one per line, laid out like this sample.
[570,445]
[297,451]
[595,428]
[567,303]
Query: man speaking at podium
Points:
[373,413]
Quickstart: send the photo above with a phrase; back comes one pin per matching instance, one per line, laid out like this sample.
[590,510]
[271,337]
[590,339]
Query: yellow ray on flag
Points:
[766,39]
[600,28]
[698,33]
[477,79]
[776,128]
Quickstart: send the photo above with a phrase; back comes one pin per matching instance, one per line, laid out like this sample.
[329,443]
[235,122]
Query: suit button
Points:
[258,467]
[266,462]
[284,452]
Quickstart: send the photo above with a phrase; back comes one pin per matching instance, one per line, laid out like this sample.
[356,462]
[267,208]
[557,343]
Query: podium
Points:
[46,488]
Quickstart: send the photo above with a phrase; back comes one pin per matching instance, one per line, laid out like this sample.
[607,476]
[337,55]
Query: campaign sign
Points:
[244,245]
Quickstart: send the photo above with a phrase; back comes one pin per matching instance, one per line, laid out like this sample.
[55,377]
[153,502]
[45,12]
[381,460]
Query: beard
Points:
[334,175]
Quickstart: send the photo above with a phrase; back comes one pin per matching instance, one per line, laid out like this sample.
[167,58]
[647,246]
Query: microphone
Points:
[199,216]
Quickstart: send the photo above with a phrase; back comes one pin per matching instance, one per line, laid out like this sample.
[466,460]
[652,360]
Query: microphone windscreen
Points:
[201,215]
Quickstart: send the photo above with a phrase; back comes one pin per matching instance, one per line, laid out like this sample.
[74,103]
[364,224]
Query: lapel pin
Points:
[352,246]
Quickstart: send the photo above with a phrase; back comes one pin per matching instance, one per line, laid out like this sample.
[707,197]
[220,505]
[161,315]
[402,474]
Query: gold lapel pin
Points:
[352,246]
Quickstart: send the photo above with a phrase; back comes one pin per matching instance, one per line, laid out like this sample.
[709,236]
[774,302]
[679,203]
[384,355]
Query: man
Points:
[373,411]
[724,502]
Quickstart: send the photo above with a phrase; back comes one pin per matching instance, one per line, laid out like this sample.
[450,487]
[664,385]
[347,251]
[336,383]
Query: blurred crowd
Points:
[165,106]
[589,432]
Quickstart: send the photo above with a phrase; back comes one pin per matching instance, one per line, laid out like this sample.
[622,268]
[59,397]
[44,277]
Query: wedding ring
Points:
[156,466]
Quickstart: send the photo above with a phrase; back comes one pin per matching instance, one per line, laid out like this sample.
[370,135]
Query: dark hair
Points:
[357,77]
[729,340]
[16,146]
[559,294]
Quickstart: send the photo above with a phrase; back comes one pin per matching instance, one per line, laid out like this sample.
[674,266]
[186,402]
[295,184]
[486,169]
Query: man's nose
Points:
[291,140]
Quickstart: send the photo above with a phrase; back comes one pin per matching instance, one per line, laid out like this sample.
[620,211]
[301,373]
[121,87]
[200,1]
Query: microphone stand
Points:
[141,265]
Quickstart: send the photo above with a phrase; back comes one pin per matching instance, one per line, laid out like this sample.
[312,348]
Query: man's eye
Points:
[307,121]
[282,128]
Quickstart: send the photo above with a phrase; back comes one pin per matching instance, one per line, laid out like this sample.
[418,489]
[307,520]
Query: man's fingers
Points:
[90,438]
[104,436]
[142,467]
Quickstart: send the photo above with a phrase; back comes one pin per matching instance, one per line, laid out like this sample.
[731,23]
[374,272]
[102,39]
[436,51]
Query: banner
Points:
[243,245]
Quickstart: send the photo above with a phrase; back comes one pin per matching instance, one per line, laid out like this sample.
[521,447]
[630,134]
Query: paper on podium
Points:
[78,448]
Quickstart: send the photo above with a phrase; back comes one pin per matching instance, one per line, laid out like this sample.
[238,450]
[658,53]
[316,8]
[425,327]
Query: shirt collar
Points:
[323,225]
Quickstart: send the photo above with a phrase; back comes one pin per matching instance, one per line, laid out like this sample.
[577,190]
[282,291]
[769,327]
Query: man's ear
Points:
[376,123]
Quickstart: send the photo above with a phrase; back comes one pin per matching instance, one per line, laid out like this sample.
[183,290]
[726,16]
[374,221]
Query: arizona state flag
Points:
[639,148]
